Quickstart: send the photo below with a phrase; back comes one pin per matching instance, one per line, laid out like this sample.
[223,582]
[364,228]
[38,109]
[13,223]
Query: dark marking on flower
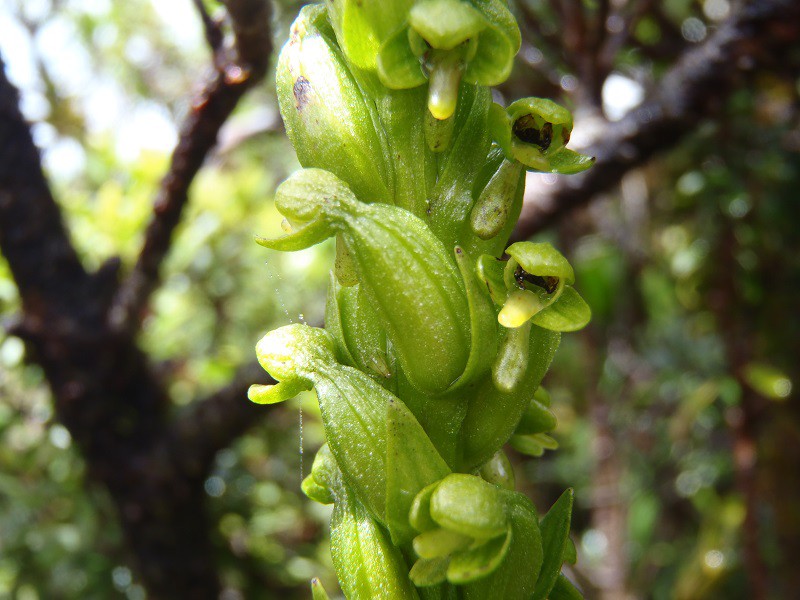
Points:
[302,92]
[565,133]
[547,283]
[526,130]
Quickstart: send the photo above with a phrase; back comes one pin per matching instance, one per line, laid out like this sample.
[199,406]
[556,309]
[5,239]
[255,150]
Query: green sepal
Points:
[568,313]
[569,162]
[491,211]
[554,527]
[428,572]
[331,123]
[324,481]
[536,419]
[398,67]
[493,415]
[438,543]
[498,471]
[301,238]
[542,396]
[362,26]
[272,394]
[469,565]
[539,259]
[490,271]
[516,575]
[533,445]
[412,464]
[470,506]
[316,492]
[317,590]
[511,363]
[419,515]
[483,324]
[307,193]
[493,59]
[564,589]
[497,44]
[445,24]
[367,564]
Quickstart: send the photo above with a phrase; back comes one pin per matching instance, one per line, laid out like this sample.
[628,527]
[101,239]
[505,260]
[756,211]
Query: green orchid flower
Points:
[445,42]
[535,132]
[402,268]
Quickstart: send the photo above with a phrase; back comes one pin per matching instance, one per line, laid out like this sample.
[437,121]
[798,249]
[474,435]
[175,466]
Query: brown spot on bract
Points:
[302,92]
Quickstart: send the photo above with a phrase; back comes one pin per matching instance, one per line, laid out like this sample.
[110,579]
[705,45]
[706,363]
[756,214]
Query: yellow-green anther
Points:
[470,506]
[490,213]
[438,543]
[512,359]
[444,71]
[498,470]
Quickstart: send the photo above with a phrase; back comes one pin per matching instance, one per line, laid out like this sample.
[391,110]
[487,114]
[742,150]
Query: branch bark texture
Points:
[81,328]
[758,36]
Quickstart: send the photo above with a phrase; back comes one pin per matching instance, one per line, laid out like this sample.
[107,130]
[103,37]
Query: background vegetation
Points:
[131,464]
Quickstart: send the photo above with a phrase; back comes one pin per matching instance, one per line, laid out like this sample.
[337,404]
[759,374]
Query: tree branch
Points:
[233,77]
[213,423]
[756,37]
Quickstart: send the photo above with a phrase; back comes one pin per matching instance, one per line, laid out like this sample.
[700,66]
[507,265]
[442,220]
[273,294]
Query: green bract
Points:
[435,345]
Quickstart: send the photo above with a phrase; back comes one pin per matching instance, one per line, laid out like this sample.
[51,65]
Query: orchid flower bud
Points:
[402,268]
[330,122]
[354,411]
[535,132]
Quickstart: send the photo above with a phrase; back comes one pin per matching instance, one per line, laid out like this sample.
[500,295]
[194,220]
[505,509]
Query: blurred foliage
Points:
[692,258]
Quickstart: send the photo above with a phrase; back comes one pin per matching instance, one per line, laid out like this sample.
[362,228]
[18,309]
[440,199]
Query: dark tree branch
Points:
[253,47]
[81,329]
[756,37]
[211,29]
[214,422]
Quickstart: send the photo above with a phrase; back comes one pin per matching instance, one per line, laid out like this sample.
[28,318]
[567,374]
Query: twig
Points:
[690,91]
[211,29]
[253,43]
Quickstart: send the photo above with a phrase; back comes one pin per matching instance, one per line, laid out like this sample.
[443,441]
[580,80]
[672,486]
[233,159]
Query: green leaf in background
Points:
[555,533]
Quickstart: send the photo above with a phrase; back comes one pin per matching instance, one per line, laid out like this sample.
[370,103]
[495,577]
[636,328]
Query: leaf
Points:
[412,464]
[568,313]
[473,564]
[564,589]
[555,532]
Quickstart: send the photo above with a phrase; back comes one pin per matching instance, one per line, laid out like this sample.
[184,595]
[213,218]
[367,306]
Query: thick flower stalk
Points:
[437,333]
